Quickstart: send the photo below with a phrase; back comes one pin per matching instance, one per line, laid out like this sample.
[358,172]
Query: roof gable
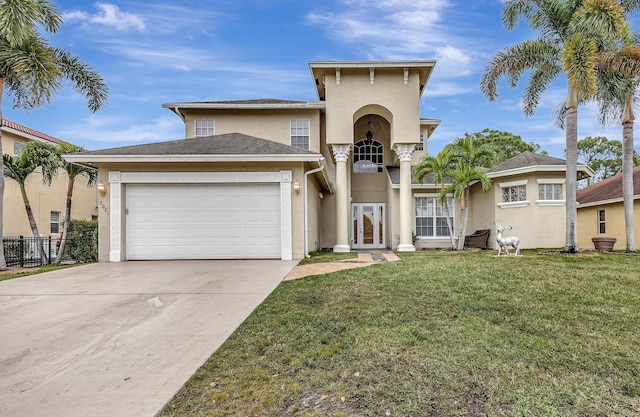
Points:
[607,189]
[527,159]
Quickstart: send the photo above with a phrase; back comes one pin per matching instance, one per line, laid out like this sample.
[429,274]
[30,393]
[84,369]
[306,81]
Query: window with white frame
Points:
[55,222]
[18,147]
[549,191]
[514,193]
[431,220]
[420,146]
[368,157]
[300,133]
[205,127]
[602,229]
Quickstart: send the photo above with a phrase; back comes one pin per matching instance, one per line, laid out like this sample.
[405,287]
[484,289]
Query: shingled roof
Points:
[394,177]
[529,161]
[28,131]
[607,190]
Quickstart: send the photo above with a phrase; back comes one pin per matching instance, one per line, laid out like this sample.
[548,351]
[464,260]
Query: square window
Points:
[205,127]
[514,193]
[549,191]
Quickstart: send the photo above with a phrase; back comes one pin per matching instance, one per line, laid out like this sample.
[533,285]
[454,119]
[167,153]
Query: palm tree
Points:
[440,166]
[572,33]
[19,168]
[73,171]
[617,96]
[463,177]
[32,71]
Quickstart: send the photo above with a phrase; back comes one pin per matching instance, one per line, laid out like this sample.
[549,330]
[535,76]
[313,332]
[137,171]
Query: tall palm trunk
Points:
[3,262]
[445,207]
[67,218]
[627,173]
[570,245]
[32,222]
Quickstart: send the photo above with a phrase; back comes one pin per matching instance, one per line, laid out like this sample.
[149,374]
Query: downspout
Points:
[306,215]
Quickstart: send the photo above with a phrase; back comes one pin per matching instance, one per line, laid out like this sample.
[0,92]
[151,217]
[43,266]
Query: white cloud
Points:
[108,15]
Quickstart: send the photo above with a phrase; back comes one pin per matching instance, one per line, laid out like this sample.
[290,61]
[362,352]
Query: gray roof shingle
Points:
[527,159]
[225,144]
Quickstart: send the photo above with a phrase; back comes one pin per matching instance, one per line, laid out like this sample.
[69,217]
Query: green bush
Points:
[82,243]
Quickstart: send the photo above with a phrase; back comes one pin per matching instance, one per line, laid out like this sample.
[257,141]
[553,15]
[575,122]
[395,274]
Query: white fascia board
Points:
[309,105]
[75,158]
[605,202]
[537,168]
[372,64]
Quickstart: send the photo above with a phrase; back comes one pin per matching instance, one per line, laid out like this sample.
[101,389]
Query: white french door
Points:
[367,231]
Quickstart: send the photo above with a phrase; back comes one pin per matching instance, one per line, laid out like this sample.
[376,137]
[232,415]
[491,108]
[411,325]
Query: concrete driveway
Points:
[119,339]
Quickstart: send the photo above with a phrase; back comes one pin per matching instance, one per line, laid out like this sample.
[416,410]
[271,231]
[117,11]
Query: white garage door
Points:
[202,221]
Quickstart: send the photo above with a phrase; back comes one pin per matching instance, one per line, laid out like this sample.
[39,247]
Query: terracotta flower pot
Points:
[604,244]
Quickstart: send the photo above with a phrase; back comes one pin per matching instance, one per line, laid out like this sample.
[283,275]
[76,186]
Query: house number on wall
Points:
[102,205]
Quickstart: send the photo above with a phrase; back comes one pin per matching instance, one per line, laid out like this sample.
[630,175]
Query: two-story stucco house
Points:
[276,178]
[48,202]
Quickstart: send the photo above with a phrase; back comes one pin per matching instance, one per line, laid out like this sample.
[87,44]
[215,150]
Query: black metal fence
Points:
[27,252]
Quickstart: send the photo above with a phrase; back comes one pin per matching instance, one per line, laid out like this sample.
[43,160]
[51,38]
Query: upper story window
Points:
[368,157]
[420,146]
[514,194]
[300,133]
[18,147]
[205,127]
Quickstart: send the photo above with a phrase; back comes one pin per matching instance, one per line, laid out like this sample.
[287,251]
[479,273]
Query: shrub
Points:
[82,243]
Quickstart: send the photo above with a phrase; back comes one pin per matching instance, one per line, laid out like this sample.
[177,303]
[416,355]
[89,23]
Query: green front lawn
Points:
[438,334]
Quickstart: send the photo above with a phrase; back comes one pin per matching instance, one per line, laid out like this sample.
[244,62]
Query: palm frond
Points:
[84,80]
[20,19]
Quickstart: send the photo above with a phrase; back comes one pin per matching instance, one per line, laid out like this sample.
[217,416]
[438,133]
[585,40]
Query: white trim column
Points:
[341,155]
[404,152]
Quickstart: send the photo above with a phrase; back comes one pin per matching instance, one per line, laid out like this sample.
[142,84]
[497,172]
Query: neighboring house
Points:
[601,211]
[47,202]
[276,178]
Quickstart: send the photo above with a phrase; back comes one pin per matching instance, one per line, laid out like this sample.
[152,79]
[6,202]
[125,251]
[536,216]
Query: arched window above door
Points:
[368,157]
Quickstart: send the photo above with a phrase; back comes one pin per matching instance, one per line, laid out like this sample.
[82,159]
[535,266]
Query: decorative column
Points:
[404,152]
[341,155]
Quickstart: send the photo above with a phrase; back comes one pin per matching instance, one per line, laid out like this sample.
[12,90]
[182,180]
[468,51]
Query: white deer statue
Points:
[505,242]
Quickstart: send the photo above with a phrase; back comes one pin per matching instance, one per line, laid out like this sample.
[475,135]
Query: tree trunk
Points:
[463,221]
[67,219]
[445,206]
[3,262]
[627,174]
[570,245]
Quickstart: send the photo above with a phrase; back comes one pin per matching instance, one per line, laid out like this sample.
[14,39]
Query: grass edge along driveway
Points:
[438,334]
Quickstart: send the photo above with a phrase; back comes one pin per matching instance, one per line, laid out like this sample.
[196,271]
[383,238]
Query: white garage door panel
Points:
[203,221]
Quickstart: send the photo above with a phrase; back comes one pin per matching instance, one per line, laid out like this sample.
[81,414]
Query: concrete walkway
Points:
[363,259]
[119,339]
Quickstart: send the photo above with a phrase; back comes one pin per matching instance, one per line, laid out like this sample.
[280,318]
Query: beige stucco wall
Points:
[272,124]
[587,224]
[297,200]
[537,224]
[388,96]
[43,199]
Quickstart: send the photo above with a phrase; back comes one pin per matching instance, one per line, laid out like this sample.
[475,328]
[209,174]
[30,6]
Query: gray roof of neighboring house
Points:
[225,144]
[527,159]
[394,177]
[607,189]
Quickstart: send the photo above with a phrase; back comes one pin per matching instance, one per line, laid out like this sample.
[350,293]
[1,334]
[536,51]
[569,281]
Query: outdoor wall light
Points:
[296,187]
[102,189]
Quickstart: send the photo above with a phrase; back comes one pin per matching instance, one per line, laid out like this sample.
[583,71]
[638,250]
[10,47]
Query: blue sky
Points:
[155,52]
